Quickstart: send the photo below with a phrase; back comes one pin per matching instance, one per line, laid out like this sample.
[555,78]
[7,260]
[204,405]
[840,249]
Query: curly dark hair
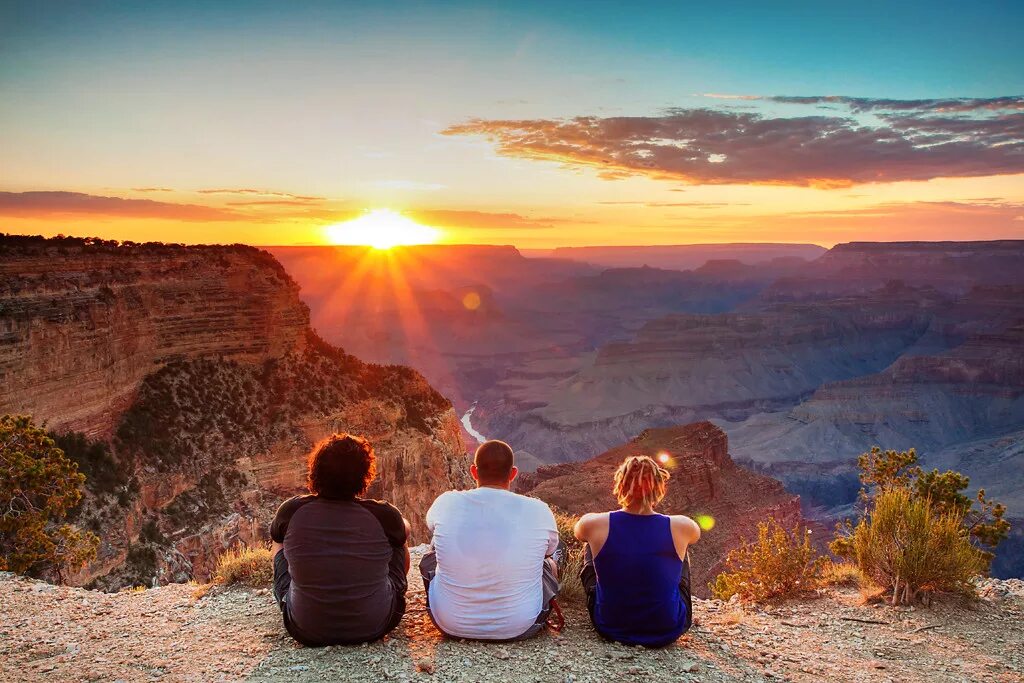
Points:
[341,467]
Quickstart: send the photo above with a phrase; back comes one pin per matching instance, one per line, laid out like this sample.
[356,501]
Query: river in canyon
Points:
[467,423]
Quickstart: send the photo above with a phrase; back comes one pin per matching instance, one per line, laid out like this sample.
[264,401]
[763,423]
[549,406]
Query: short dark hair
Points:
[493,460]
[341,467]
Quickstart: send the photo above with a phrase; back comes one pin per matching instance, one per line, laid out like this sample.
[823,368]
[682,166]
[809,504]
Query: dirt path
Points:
[50,633]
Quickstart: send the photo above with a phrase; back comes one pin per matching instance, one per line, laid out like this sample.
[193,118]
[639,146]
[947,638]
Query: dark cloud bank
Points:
[903,140]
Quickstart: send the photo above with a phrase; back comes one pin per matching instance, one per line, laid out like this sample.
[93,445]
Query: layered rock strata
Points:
[704,482]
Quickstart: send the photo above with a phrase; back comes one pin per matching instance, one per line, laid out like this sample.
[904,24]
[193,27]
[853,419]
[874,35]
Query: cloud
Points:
[272,202]
[55,203]
[722,96]
[152,189]
[692,205]
[906,141]
[455,218]
[262,193]
[408,185]
[954,104]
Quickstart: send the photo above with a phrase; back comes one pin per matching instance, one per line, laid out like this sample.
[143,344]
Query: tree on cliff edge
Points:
[918,532]
[38,486]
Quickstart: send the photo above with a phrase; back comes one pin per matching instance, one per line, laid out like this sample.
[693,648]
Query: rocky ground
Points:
[186,632]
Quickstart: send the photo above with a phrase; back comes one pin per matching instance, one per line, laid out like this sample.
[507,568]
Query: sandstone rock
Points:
[202,361]
[704,482]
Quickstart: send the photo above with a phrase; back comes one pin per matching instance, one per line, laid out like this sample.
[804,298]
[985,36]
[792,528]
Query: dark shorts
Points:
[396,574]
[588,577]
[549,583]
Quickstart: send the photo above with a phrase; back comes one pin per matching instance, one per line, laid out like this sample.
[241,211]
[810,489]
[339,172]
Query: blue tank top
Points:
[638,574]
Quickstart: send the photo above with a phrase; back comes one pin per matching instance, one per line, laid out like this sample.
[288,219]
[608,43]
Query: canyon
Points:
[189,384]
[197,368]
[209,372]
[805,357]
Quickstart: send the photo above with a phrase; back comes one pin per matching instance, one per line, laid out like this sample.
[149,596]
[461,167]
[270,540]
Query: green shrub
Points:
[983,518]
[917,533]
[909,547]
[103,473]
[252,567]
[38,487]
[779,564]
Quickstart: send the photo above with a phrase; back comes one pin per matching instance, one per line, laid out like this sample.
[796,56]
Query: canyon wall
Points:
[685,367]
[951,406]
[704,482]
[197,369]
[81,324]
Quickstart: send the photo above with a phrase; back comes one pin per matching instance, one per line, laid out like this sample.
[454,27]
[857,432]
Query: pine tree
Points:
[38,486]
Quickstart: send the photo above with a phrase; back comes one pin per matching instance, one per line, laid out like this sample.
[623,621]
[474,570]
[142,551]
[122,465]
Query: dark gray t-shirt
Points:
[347,562]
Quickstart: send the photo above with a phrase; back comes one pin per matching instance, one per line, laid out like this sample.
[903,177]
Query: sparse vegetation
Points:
[911,548]
[189,409]
[918,533]
[140,565]
[840,574]
[249,566]
[39,485]
[572,589]
[103,473]
[780,563]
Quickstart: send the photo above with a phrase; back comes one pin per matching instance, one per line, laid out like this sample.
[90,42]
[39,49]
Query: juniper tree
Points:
[38,486]
[905,511]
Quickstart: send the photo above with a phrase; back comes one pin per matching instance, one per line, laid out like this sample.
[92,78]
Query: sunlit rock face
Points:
[705,482]
[197,365]
[83,324]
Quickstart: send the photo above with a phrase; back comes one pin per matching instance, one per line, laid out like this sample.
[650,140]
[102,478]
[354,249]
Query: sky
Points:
[537,124]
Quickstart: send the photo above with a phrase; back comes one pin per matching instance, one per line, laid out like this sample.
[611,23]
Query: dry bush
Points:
[912,550]
[252,567]
[841,574]
[779,564]
[572,590]
[199,590]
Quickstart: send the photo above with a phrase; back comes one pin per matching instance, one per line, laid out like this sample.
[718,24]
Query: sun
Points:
[381,229]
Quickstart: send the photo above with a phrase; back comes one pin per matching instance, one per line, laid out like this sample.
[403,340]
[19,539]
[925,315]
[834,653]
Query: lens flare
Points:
[664,458]
[471,301]
[705,522]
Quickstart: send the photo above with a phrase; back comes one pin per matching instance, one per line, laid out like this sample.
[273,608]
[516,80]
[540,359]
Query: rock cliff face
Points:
[81,324]
[198,367]
[863,266]
[682,367]
[686,256]
[705,481]
[947,405]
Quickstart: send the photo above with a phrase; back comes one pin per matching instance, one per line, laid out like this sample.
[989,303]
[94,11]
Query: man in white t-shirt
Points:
[493,571]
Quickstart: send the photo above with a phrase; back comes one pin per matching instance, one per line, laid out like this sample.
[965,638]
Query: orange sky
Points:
[538,125]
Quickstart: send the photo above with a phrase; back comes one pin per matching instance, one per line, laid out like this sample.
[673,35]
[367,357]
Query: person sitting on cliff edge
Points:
[636,572]
[340,561]
[492,572]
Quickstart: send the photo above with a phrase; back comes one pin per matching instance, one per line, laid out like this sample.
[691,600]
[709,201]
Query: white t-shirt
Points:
[490,546]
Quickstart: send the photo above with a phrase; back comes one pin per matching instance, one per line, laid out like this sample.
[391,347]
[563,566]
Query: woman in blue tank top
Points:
[636,573]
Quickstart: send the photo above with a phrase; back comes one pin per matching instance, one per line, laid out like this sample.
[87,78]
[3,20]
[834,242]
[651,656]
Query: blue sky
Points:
[348,101]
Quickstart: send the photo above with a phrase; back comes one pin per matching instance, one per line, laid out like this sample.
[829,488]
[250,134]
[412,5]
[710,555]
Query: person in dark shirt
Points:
[340,561]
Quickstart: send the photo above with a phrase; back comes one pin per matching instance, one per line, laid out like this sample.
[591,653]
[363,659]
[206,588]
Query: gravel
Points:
[186,632]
